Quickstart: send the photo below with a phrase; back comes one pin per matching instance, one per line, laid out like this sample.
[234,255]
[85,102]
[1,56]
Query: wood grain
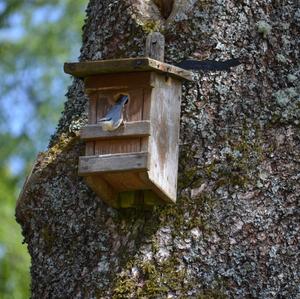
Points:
[103,189]
[164,139]
[91,165]
[155,46]
[125,181]
[142,64]
[118,146]
[117,82]
[129,129]
[92,119]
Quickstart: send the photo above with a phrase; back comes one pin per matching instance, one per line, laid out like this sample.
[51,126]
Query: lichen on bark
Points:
[234,232]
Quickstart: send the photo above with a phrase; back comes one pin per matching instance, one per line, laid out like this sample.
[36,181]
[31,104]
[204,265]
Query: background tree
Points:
[234,230]
[31,96]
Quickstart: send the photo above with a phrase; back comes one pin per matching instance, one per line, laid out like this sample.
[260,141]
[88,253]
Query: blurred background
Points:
[36,38]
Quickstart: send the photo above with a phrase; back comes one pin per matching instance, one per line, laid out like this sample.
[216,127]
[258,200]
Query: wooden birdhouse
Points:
[136,163]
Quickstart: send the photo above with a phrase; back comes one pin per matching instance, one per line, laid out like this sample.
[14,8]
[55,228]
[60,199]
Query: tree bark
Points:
[234,232]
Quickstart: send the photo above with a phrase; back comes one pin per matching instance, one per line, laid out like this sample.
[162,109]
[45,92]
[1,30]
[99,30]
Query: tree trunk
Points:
[234,231]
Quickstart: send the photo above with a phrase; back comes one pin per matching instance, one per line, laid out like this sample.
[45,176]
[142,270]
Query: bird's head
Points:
[121,98]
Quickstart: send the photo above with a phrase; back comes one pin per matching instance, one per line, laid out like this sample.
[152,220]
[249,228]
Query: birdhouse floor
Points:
[121,180]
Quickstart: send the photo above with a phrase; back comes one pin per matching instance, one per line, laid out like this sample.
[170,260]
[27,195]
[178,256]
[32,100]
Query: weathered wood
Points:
[155,46]
[163,142]
[101,186]
[151,185]
[92,68]
[129,129]
[155,110]
[118,146]
[91,165]
[115,82]
[134,108]
[138,198]
[146,114]
[125,181]
[92,119]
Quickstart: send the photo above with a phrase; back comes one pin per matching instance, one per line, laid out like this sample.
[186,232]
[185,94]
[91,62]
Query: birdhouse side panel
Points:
[165,124]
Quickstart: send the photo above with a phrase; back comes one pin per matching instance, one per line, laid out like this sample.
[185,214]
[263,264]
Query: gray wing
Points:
[115,113]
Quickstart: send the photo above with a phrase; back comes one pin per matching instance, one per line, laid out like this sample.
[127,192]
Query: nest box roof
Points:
[141,64]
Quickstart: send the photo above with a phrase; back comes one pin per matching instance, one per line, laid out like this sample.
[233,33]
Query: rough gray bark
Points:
[234,232]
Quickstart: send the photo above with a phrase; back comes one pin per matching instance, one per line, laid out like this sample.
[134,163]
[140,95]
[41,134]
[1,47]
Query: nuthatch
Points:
[114,117]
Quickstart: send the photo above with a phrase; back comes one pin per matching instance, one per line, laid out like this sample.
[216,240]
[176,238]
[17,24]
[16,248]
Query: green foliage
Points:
[36,38]
[14,260]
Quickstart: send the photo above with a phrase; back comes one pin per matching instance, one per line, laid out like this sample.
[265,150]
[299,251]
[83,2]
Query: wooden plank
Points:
[125,181]
[145,199]
[166,198]
[146,115]
[129,129]
[110,163]
[118,146]
[134,108]
[142,64]
[103,189]
[92,119]
[146,103]
[155,46]
[164,139]
[92,107]
[90,148]
[108,82]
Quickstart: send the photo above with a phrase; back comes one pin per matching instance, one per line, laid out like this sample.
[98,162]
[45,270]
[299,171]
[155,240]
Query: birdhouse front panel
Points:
[103,91]
[132,134]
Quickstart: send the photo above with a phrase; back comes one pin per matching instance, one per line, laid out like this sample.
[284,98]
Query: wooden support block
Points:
[130,129]
[90,165]
[155,46]
[129,199]
[140,198]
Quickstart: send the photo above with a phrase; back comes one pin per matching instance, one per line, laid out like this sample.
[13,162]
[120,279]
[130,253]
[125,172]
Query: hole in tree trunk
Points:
[165,7]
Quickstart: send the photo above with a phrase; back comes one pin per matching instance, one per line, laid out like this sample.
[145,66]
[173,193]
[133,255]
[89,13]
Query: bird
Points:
[114,117]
